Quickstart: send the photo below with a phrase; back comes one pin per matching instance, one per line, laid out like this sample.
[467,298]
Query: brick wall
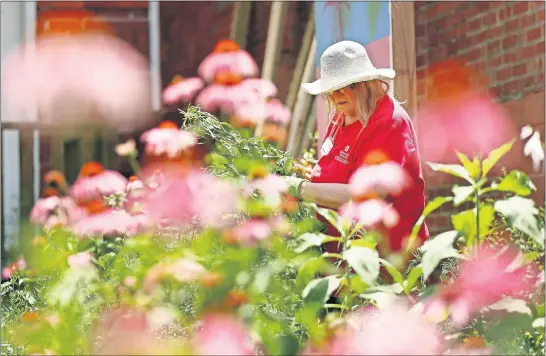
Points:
[505,41]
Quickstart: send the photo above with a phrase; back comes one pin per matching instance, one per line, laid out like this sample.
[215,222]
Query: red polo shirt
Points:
[390,131]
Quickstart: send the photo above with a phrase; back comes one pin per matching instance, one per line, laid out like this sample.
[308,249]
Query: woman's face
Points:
[344,100]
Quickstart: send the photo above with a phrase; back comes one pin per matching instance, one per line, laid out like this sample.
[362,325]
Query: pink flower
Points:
[371,213]
[373,332]
[264,88]
[185,270]
[212,97]
[68,78]
[278,113]
[18,265]
[271,188]
[239,62]
[442,122]
[113,222]
[183,197]
[184,90]
[167,141]
[222,335]
[383,179]
[103,184]
[56,210]
[250,232]
[80,260]
[251,113]
[483,280]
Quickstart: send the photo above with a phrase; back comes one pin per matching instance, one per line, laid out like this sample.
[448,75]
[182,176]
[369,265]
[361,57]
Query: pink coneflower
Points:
[183,90]
[221,334]
[227,58]
[484,279]
[371,214]
[53,211]
[372,332]
[271,187]
[77,79]
[278,113]
[86,189]
[167,141]
[249,232]
[383,179]
[80,260]
[111,223]
[18,265]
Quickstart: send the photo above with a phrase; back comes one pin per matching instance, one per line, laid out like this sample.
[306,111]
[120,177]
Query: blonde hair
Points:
[366,95]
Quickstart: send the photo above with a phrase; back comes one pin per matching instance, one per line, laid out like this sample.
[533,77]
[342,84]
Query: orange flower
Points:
[474,342]
[30,316]
[212,279]
[167,124]
[95,206]
[375,157]
[91,169]
[228,78]
[176,79]
[226,46]
[235,299]
[274,133]
[54,184]
[70,22]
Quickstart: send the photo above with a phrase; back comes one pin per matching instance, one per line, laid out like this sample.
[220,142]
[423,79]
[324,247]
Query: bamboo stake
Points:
[272,48]
[310,122]
[300,63]
[303,101]
[240,21]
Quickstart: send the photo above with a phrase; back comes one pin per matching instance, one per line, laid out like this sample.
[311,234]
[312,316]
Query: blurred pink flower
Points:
[264,88]
[371,213]
[56,210]
[184,197]
[278,113]
[10,270]
[251,113]
[185,270]
[471,123]
[184,90]
[484,279]
[111,223]
[239,63]
[383,179]
[212,97]
[394,330]
[167,141]
[103,184]
[222,335]
[80,260]
[79,79]
[250,232]
[271,187]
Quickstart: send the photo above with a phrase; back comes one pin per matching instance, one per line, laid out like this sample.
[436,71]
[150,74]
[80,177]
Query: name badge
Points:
[326,147]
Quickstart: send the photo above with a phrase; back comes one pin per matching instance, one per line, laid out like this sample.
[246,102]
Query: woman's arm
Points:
[329,195]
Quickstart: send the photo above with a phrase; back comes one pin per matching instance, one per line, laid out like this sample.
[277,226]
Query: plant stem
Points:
[336,306]
[134,165]
[335,255]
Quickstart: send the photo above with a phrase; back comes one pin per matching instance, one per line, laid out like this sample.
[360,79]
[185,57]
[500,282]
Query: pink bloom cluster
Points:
[394,330]
[54,211]
[221,334]
[167,141]
[67,78]
[108,182]
[484,279]
[112,222]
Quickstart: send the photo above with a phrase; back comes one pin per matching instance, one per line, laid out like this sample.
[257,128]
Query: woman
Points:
[367,123]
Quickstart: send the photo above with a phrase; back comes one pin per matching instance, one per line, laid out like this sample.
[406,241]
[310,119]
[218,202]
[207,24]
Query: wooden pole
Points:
[240,21]
[307,40]
[308,131]
[403,55]
[273,46]
[303,102]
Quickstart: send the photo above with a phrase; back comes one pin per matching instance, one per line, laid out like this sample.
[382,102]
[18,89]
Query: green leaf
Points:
[365,262]
[367,241]
[461,194]
[436,249]
[330,215]
[472,167]
[320,289]
[521,215]
[429,208]
[538,323]
[512,305]
[357,285]
[531,256]
[383,295]
[494,157]
[308,240]
[412,278]
[516,182]
[454,169]
[465,222]
[395,274]
[308,271]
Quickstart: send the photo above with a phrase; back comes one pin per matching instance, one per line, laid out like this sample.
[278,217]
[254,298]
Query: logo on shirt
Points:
[410,146]
[343,156]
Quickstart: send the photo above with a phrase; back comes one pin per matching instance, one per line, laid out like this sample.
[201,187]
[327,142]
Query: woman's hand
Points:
[294,185]
[303,171]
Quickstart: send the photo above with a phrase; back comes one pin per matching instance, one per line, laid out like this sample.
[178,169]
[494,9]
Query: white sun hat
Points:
[345,63]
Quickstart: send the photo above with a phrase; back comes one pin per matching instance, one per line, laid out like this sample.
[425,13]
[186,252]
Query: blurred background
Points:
[502,42]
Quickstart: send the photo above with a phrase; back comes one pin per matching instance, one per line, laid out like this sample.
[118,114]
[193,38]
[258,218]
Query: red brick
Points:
[503,74]
[475,24]
[534,34]
[494,46]
[520,7]
[505,13]
[526,53]
[519,69]
[509,41]
[513,25]
[540,15]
